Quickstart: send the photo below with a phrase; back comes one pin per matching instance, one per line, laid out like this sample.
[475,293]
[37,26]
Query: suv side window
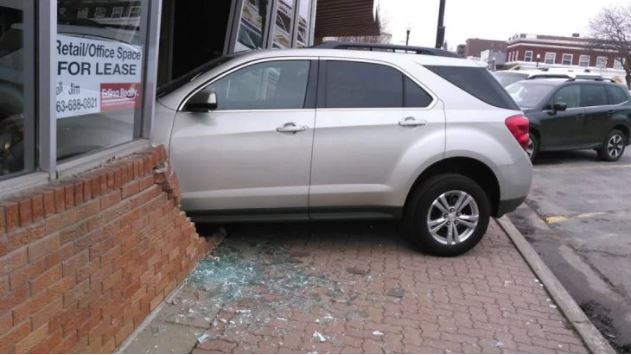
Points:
[263,86]
[415,96]
[617,95]
[365,85]
[568,94]
[593,95]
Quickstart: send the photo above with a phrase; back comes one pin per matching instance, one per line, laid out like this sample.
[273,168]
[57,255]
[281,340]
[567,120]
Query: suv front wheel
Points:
[447,215]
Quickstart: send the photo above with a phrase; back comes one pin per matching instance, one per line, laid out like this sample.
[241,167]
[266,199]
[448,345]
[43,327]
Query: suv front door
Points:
[369,116]
[255,148]
[563,129]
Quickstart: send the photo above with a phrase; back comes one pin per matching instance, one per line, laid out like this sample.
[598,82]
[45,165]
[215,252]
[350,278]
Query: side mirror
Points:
[203,101]
[559,106]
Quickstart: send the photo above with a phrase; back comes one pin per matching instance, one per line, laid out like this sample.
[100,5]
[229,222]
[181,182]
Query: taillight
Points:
[518,126]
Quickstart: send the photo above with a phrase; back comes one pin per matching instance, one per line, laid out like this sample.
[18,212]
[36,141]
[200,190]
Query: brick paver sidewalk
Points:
[363,289]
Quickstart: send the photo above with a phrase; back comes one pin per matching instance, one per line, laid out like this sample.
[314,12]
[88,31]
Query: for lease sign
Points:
[96,76]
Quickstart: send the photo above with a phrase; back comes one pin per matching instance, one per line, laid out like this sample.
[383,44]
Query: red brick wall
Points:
[84,261]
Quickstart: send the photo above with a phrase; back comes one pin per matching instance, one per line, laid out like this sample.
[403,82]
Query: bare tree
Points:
[612,30]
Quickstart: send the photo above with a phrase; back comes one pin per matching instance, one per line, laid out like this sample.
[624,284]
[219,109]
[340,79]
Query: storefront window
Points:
[253,21]
[16,90]
[304,23]
[99,75]
[284,24]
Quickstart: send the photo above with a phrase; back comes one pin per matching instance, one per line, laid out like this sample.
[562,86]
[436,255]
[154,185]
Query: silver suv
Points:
[315,134]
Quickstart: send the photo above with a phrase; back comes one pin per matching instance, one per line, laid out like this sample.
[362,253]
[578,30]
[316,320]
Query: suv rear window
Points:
[478,82]
[593,95]
[617,95]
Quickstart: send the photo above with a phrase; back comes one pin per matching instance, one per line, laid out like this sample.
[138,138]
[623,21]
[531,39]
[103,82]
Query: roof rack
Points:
[375,47]
[593,79]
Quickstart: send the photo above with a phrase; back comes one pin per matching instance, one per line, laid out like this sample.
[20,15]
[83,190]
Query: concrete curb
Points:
[590,335]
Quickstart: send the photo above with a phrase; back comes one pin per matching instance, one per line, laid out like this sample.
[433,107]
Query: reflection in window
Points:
[15,149]
[99,89]
[304,19]
[284,22]
[134,11]
[253,20]
[271,85]
[99,12]
[117,12]
[83,13]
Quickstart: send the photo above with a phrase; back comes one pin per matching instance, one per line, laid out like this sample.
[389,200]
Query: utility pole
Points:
[407,37]
[440,30]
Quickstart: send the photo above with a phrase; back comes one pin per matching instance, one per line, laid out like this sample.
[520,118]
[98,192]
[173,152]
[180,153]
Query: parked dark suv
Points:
[568,114]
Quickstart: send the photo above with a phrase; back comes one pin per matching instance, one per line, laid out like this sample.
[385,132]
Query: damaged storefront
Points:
[91,235]
[210,29]
[92,238]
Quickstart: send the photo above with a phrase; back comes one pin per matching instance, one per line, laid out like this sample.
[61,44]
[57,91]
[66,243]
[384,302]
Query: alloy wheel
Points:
[531,147]
[453,217]
[615,146]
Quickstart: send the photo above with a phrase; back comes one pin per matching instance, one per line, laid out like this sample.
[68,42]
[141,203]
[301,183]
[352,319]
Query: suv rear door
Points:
[598,113]
[369,115]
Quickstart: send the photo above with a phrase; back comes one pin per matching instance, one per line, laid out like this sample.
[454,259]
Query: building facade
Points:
[475,46]
[556,50]
[196,31]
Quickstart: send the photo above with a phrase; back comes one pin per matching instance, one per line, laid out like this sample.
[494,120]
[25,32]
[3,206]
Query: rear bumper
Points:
[507,206]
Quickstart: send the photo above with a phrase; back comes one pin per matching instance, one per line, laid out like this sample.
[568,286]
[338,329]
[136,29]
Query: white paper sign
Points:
[97,76]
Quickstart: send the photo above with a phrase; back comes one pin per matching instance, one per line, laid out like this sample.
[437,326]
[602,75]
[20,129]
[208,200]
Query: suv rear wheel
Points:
[533,146]
[613,147]
[447,215]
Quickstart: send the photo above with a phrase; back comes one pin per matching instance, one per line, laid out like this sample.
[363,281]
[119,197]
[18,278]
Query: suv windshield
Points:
[188,77]
[529,94]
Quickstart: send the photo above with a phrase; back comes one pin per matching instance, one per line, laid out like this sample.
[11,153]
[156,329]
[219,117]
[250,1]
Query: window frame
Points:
[600,59]
[564,55]
[528,58]
[311,85]
[554,58]
[115,11]
[321,105]
[581,60]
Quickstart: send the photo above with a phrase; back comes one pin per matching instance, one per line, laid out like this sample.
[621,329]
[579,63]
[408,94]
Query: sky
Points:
[488,19]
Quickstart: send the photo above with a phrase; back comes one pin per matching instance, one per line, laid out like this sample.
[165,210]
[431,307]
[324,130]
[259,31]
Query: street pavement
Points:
[359,288]
[578,218]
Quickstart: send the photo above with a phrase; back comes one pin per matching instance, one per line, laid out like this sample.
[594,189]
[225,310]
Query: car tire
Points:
[613,147]
[435,204]
[533,146]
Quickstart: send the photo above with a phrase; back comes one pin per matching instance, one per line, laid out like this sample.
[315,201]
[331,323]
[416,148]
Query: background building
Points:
[475,46]
[556,50]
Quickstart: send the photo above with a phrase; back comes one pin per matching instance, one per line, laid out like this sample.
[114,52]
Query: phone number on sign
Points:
[76,104]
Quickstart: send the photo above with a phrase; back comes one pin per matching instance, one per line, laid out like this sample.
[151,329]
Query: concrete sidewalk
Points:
[357,288]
